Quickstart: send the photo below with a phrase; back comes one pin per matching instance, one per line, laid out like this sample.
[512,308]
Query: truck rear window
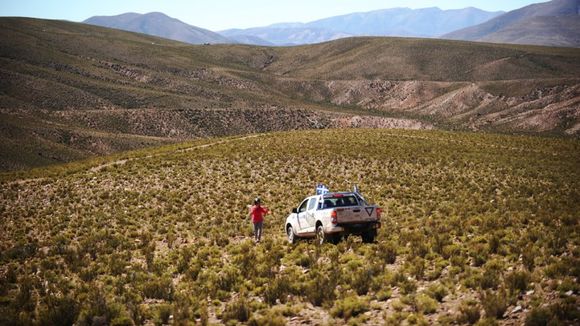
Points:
[340,202]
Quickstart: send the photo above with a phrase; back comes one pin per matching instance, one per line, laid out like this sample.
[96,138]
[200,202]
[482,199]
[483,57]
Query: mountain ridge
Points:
[158,24]
[520,26]
[384,22]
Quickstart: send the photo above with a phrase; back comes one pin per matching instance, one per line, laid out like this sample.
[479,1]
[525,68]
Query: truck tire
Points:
[290,234]
[320,235]
[368,236]
[334,239]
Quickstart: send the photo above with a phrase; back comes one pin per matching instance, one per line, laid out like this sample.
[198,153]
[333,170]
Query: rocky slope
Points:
[547,107]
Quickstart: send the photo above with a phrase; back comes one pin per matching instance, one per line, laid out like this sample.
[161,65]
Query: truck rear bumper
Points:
[352,228]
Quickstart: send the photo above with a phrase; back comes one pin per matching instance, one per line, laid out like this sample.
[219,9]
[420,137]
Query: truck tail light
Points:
[379,212]
[334,217]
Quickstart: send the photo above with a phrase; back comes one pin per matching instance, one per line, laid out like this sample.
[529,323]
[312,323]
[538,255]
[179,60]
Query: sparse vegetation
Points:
[474,226]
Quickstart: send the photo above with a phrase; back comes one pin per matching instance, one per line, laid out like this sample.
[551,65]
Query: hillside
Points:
[71,91]
[541,30]
[553,23]
[427,22]
[474,227]
[158,24]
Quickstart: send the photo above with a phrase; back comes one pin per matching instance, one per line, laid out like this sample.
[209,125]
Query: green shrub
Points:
[418,244]
[451,250]
[517,281]
[437,291]
[183,306]
[416,319]
[495,303]
[469,312]
[529,255]
[539,317]
[239,309]
[416,267]
[491,276]
[408,286]
[59,310]
[122,321]
[163,314]
[277,290]
[568,284]
[271,318]
[487,322]
[566,310]
[362,280]
[384,295]
[472,278]
[24,300]
[426,304]
[479,254]
[158,288]
[320,288]
[349,307]
[203,313]
[494,243]
[387,252]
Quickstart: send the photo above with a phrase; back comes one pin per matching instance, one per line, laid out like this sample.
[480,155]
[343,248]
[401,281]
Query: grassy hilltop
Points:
[475,227]
[70,91]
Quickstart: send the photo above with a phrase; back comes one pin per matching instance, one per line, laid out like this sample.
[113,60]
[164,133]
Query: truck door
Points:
[310,214]
[302,223]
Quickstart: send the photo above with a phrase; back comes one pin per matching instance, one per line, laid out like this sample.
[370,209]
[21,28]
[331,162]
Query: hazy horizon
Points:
[234,14]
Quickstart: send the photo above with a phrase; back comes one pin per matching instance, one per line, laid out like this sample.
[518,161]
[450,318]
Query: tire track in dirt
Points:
[100,167]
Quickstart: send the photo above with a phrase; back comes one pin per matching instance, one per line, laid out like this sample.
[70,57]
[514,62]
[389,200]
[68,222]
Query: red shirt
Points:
[257,212]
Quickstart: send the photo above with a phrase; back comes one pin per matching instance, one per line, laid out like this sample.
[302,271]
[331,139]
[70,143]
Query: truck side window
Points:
[312,204]
[303,206]
[328,203]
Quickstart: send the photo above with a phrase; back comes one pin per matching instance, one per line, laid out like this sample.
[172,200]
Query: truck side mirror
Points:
[295,210]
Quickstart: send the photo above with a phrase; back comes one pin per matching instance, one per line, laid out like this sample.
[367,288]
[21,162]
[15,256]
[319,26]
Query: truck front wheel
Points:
[320,236]
[290,233]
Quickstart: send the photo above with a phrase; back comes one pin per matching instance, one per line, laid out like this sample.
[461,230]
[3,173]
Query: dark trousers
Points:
[258,230]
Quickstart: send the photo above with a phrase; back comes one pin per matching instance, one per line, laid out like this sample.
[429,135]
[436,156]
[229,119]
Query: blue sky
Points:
[222,14]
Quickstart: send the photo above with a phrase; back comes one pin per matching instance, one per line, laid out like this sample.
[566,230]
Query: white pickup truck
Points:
[330,216]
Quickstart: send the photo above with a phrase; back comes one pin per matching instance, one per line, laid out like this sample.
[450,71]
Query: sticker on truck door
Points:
[370,210]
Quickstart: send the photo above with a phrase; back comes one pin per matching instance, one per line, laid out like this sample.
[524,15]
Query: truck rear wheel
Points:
[368,236]
[334,239]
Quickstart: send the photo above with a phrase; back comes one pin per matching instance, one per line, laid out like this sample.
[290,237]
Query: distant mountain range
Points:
[427,22]
[158,24]
[555,23]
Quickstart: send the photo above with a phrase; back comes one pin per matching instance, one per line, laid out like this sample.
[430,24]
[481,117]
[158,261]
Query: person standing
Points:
[257,213]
